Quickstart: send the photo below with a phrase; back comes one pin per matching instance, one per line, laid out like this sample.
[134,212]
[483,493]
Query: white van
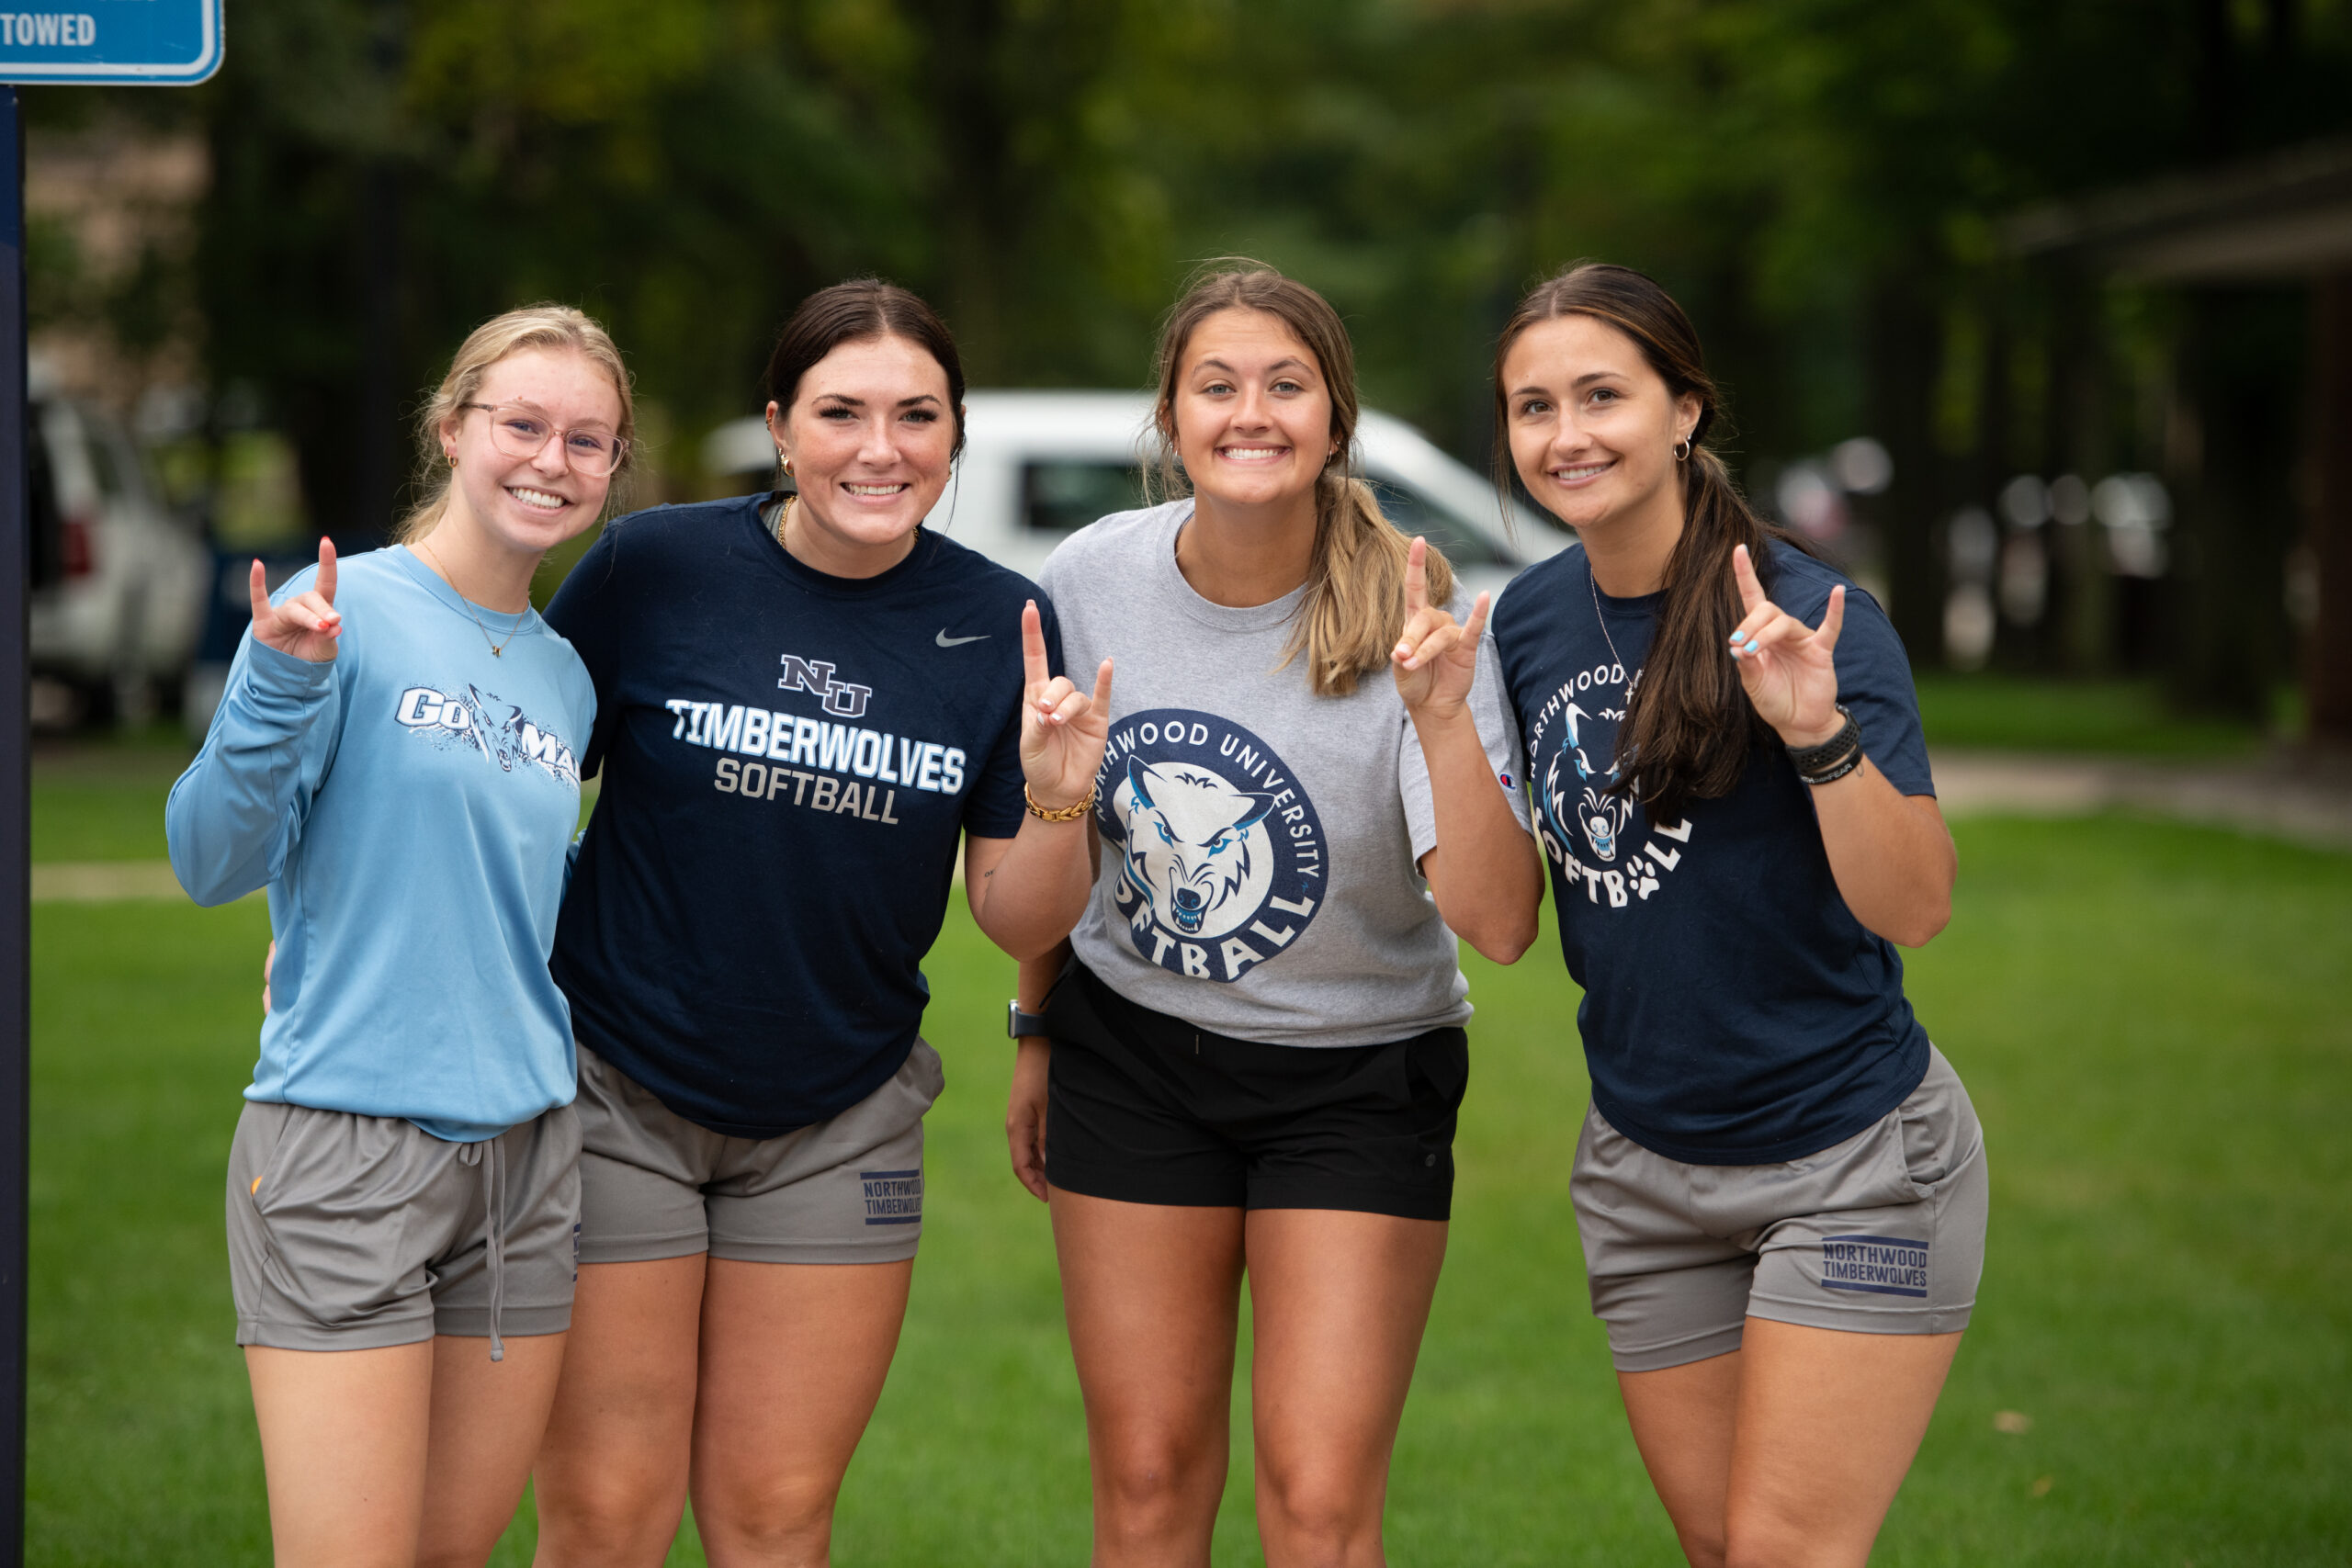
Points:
[1038,466]
[118,579]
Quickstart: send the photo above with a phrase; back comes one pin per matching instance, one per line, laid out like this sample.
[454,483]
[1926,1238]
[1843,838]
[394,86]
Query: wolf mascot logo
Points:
[1221,853]
[1195,855]
[1600,815]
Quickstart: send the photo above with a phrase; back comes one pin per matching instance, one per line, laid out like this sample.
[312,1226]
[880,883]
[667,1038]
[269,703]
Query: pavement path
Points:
[2284,796]
[2298,797]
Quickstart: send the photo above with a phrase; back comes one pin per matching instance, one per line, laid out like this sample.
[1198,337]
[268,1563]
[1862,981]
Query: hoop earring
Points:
[785,462]
[453,459]
[1683,450]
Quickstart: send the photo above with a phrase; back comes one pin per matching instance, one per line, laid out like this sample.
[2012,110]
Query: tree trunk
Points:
[2084,593]
[2328,657]
[2235,504]
[1904,343]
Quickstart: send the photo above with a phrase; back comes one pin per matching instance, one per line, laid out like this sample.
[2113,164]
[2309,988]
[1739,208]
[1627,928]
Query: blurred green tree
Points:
[1819,180]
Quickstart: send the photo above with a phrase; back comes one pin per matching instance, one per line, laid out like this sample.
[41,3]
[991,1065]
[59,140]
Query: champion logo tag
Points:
[892,1197]
[1876,1265]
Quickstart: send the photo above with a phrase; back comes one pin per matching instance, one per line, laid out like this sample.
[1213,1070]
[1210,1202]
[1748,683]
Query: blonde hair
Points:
[542,326]
[1354,607]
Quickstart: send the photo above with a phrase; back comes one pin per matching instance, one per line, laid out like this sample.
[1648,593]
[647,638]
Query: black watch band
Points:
[1834,757]
[1018,1024]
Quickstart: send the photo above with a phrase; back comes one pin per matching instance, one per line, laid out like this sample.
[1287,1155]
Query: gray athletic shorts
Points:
[1883,1234]
[352,1233]
[849,1190]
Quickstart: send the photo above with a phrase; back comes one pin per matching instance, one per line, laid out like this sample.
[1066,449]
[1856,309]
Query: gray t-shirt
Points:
[1258,842]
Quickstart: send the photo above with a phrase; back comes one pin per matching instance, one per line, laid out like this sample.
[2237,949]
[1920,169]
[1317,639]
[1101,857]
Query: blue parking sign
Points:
[152,43]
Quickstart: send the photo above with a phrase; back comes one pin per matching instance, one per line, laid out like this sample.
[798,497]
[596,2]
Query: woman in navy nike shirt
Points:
[803,703]
[1780,1184]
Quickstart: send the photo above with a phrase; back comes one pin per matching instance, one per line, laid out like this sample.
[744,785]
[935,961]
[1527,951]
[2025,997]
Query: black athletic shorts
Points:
[1146,1109]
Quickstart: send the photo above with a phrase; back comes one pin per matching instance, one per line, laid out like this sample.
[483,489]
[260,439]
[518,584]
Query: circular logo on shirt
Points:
[1221,853]
[1595,838]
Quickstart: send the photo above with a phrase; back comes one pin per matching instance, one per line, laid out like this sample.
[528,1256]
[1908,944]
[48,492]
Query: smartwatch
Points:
[1018,1024]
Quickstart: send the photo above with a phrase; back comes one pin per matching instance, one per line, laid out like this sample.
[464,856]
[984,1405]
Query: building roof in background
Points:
[2280,216]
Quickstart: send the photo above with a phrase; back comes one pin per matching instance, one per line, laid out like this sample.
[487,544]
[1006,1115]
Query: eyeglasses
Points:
[514,428]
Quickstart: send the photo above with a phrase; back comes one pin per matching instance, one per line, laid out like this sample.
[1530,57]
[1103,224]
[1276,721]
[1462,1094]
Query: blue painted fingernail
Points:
[1751,645]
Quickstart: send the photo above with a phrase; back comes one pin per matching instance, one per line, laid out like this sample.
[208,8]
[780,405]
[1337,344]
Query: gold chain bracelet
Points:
[1059,814]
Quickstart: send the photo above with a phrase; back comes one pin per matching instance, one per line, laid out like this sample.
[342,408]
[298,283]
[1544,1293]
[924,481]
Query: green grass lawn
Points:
[102,800]
[2129,719]
[2156,1022]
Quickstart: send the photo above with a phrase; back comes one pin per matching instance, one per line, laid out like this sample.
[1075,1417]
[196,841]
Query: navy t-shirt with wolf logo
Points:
[1260,842]
[789,762]
[1734,1012]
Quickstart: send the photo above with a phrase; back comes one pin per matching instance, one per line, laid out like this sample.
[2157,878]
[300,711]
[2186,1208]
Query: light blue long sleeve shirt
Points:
[409,805]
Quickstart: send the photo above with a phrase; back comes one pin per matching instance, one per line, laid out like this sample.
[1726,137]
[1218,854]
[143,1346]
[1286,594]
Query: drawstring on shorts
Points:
[494,1171]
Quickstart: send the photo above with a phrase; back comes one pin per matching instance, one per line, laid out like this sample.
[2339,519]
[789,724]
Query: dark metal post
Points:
[15,832]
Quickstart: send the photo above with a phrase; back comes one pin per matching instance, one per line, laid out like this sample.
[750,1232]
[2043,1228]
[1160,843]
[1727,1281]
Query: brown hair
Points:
[543,326]
[857,311]
[1689,729]
[1354,607]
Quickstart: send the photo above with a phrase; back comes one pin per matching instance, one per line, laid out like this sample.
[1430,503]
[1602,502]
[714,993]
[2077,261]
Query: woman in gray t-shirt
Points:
[1256,1051]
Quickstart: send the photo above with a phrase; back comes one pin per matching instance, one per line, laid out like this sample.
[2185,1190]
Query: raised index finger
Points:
[1743,570]
[326,568]
[1416,577]
[1033,645]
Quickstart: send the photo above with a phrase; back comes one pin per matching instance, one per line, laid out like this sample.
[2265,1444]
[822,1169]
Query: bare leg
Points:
[342,1444]
[793,1360]
[1152,1294]
[1340,1300]
[1682,1418]
[612,1472]
[488,1418]
[1829,1424]
[1810,1430]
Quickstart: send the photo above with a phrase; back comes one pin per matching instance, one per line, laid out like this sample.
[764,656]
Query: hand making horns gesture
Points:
[1062,729]
[1435,658]
[1784,664]
[307,626]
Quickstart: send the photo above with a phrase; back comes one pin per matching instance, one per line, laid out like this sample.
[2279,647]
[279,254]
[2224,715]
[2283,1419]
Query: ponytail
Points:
[1354,608]
[1689,730]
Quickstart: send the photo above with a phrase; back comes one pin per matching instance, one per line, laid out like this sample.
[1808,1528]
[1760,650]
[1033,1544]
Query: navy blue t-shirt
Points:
[789,761]
[1734,1012]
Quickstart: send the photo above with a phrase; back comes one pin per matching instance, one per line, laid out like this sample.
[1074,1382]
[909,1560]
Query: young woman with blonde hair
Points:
[396,759]
[1253,1064]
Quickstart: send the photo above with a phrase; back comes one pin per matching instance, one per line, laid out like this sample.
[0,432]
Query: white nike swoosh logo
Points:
[946,641]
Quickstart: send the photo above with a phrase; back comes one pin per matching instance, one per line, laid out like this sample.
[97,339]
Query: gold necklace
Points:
[497,649]
[1591,581]
[783,516]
